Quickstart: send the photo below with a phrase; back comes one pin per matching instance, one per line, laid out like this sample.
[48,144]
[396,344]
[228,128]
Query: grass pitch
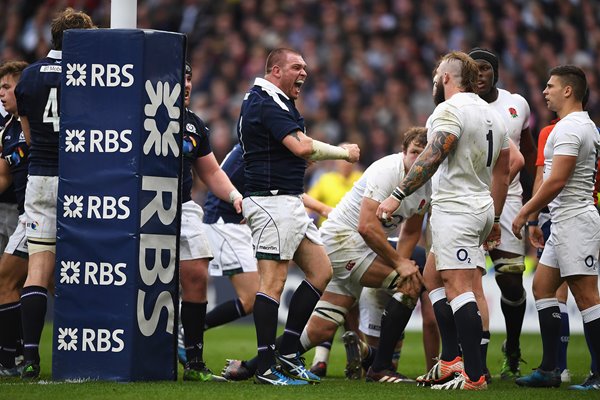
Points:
[238,341]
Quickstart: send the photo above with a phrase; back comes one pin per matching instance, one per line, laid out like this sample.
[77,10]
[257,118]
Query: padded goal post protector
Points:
[117,253]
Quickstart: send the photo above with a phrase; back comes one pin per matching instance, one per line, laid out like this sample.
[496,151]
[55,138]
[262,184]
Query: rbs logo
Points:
[105,207]
[94,340]
[99,274]
[109,75]
[108,141]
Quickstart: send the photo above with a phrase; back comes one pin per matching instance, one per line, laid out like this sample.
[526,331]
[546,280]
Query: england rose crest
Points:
[513,112]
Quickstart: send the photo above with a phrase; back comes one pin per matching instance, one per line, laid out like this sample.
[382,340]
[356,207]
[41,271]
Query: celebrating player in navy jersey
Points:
[13,264]
[38,103]
[276,150]
[195,251]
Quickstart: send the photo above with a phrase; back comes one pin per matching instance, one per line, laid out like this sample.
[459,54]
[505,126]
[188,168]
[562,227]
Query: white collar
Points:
[265,84]
[56,54]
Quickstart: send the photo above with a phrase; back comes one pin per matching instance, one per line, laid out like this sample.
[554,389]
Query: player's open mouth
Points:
[298,84]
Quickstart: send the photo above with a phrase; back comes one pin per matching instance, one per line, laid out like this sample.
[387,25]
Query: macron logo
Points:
[76,74]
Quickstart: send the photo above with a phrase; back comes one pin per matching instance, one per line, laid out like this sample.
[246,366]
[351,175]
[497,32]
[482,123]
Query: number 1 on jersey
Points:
[490,139]
[51,115]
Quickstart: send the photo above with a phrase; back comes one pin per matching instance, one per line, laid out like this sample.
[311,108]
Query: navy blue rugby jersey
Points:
[38,98]
[16,153]
[215,208]
[195,145]
[266,118]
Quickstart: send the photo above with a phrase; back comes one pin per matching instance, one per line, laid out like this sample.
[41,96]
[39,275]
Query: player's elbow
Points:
[365,229]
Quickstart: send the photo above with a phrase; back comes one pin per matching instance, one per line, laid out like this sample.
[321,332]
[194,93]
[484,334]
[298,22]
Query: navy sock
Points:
[393,321]
[265,322]
[447,326]
[588,340]
[192,320]
[591,327]
[485,340]
[470,332]
[224,313]
[565,333]
[10,333]
[514,314]
[302,305]
[550,320]
[33,312]
[370,357]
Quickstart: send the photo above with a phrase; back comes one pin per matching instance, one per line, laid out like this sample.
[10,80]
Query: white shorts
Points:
[17,244]
[231,245]
[9,216]
[371,305]
[278,224]
[350,258]
[573,245]
[41,197]
[508,241]
[457,238]
[193,243]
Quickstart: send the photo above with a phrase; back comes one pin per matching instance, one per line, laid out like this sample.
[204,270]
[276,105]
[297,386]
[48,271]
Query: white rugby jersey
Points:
[377,183]
[574,135]
[462,182]
[514,110]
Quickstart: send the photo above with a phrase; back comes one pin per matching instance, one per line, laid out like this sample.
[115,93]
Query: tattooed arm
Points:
[436,151]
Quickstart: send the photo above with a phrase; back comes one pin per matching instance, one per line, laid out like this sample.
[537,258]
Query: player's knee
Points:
[320,277]
[541,290]
[585,299]
[331,314]
[248,303]
[39,245]
[514,265]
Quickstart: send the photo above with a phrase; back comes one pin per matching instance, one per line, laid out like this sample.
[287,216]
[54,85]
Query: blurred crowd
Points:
[369,61]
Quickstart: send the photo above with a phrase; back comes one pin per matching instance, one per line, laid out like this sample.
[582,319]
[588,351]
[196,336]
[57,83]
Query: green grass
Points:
[237,341]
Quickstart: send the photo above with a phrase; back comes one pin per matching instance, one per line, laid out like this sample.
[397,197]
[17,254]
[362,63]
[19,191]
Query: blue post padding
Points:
[118,205]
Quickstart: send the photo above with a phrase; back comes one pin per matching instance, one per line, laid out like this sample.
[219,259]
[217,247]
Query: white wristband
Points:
[323,151]
[234,194]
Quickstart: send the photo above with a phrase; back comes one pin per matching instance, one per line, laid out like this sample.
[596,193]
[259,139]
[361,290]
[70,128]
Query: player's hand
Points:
[386,209]
[406,268]
[536,237]
[493,239]
[518,224]
[237,204]
[353,152]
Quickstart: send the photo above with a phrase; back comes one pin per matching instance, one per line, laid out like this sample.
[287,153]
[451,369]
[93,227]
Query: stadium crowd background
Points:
[369,61]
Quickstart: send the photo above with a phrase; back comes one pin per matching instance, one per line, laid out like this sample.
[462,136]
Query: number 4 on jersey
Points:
[51,111]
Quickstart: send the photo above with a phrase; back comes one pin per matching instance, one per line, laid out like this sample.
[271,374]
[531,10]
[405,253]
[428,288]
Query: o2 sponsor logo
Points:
[90,340]
[96,207]
[98,141]
[92,273]
[100,75]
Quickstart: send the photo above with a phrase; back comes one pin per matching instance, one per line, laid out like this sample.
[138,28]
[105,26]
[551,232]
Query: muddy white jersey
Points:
[514,110]
[377,183]
[462,182]
[574,135]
